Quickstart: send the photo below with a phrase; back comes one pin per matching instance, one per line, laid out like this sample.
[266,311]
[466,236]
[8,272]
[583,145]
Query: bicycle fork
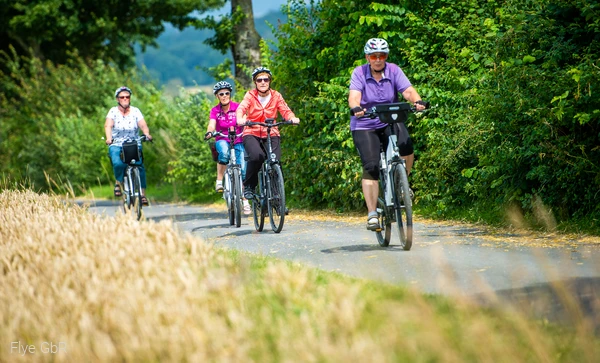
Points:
[128,184]
[387,159]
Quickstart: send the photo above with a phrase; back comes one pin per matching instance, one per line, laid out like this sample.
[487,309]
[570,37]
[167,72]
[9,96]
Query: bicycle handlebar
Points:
[142,138]
[269,123]
[404,106]
[209,135]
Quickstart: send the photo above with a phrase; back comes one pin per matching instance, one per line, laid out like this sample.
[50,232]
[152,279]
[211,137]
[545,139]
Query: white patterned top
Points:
[126,126]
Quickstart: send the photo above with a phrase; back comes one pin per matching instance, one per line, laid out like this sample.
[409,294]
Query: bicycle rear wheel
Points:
[137,193]
[236,197]
[276,198]
[257,203]
[403,207]
[227,195]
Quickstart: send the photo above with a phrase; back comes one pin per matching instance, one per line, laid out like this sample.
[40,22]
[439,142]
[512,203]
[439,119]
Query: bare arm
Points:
[240,116]
[108,126]
[212,125]
[145,130]
[411,95]
[354,98]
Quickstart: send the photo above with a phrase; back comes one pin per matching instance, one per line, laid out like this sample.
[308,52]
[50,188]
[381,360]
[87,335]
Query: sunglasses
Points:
[224,94]
[378,56]
[265,80]
[124,97]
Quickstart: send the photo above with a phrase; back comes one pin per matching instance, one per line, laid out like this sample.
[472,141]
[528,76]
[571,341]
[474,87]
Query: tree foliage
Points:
[107,30]
[236,33]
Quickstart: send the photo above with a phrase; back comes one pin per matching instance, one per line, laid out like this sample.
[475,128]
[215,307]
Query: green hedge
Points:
[514,85]
[53,121]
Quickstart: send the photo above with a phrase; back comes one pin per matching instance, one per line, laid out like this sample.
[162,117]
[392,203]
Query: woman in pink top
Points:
[259,104]
[222,117]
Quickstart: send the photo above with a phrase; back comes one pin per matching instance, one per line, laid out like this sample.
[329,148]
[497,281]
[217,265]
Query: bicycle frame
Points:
[394,203]
[132,191]
[390,159]
[269,197]
[232,181]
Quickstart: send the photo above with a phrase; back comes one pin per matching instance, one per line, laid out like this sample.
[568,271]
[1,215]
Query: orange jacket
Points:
[254,111]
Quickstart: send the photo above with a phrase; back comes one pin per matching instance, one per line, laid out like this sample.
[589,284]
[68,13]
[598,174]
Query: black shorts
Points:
[370,142]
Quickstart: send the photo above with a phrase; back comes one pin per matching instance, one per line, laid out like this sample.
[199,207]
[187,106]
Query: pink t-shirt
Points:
[225,120]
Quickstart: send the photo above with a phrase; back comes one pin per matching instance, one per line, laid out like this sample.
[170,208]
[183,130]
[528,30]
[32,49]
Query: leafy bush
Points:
[193,168]
[516,116]
[53,120]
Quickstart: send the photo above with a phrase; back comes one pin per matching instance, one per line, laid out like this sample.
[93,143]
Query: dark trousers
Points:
[255,155]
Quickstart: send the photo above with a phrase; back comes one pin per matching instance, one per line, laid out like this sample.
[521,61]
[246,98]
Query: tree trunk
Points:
[246,49]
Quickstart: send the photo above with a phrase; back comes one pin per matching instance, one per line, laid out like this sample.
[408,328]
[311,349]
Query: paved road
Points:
[452,260]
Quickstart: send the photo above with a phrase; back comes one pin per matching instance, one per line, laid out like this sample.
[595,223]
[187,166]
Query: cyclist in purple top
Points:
[371,84]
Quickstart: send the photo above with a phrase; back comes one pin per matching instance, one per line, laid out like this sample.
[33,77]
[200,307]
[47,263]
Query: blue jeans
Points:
[223,150]
[114,153]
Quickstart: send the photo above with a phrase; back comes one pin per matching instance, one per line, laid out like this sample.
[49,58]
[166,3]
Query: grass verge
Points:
[114,289]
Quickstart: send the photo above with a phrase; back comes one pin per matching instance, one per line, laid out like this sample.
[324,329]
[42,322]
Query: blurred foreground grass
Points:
[114,289]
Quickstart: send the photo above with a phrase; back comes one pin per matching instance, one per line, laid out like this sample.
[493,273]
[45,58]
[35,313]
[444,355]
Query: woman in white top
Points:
[124,122]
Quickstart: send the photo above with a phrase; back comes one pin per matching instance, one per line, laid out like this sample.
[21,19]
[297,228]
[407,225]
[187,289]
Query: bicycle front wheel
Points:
[236,197]
[257,204]
[137,193]
[227,195]
[403,207]
[276,198]
[127,193]
[385,234]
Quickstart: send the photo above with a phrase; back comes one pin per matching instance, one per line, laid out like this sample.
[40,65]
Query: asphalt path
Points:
[543,275]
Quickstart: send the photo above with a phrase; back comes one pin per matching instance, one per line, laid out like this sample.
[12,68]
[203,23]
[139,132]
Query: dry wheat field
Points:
[77,287]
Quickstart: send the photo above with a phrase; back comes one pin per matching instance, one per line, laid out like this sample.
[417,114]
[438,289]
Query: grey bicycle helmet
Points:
[222,85]
[260,70]
[376,45]
[121,89]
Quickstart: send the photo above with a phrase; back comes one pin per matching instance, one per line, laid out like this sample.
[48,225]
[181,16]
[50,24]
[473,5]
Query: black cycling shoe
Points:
[248,194]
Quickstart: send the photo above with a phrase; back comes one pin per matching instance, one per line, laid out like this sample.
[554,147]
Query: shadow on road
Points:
[571,302]
[237,233]
[363,248]
[190,217]
[99,203]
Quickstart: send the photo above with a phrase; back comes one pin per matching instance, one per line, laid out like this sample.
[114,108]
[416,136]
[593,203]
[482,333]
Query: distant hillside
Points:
[180,54]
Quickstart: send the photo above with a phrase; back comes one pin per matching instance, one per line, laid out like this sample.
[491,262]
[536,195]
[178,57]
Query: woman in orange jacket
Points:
[259,104]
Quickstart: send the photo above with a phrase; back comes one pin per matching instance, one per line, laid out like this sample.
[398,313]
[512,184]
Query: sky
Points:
[260,7]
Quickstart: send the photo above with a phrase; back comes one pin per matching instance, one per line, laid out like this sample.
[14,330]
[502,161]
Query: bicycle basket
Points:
[390,113]
[130,152]
[213,151]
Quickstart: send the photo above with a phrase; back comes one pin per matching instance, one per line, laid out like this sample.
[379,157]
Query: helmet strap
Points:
[378,71]
[265,93]
[123,108]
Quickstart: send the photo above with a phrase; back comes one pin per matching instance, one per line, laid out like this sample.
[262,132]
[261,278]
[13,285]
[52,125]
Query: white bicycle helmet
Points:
[376,45]
[260,70]
[222,85]
[121,89]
